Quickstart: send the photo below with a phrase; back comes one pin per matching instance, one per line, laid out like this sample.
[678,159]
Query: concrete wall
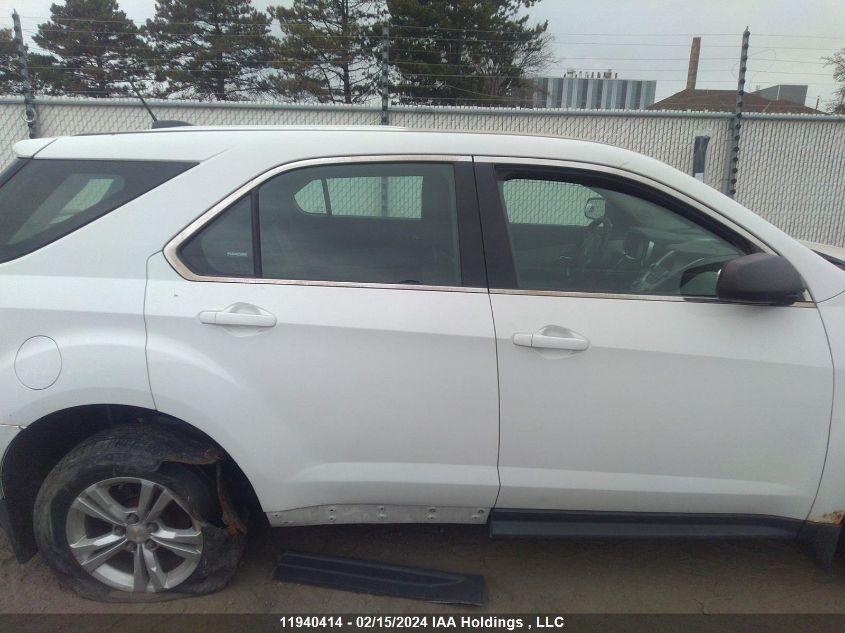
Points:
[792,167]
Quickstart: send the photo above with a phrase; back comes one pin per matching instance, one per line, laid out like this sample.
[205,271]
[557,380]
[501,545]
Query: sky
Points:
[650,39]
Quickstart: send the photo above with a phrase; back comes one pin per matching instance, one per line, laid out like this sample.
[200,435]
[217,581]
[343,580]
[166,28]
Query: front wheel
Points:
[114,520]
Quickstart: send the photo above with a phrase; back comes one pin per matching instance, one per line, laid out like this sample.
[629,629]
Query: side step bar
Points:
[598,525]
[382,579]
[820,540]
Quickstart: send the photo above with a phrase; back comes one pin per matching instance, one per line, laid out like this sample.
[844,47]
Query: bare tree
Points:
[837,60]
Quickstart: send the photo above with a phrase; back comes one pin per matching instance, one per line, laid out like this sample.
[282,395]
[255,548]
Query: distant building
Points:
[785,92]
[692,99]
[779,99]
[592,91]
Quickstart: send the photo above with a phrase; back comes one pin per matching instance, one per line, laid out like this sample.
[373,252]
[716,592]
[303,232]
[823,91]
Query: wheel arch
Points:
[39,446]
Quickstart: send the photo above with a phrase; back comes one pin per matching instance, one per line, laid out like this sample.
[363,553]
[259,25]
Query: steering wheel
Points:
[594,244]
[670,267]
[656,273]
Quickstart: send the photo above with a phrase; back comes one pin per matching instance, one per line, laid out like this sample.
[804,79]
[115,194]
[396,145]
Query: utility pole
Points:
[732,159]
[385,75]
[31,117]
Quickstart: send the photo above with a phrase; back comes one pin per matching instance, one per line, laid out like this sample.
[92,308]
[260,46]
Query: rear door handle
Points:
[230,316]
[571,342]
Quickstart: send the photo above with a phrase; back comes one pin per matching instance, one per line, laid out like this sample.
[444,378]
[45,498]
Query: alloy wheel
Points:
[133,535]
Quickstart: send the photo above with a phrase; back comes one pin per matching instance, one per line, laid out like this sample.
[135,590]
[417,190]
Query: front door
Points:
[330,327]
[625,385]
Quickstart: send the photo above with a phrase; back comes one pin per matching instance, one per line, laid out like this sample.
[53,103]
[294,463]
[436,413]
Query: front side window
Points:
[530,201]
[385,223]
[42,200]
[590,234]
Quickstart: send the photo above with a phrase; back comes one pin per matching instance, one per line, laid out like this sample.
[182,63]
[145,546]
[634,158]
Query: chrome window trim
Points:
[710,212]
[631,297]
[171,249]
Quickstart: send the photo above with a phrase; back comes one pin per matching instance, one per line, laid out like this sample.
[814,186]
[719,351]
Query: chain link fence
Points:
[791,169]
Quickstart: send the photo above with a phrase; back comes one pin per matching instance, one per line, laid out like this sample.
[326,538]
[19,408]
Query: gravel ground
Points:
[521,576]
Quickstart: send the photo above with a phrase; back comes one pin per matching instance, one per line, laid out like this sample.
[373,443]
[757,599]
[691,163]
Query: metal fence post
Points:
[31,117]
[732,159]
[385,74]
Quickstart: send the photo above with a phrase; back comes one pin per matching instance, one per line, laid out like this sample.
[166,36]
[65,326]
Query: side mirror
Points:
[594,208]
[760,278]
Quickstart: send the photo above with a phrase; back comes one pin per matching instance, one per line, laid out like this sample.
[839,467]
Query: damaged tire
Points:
[133,514]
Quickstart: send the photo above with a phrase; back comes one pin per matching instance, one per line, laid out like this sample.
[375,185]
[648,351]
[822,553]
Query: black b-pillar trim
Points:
[501,272]
[473,273]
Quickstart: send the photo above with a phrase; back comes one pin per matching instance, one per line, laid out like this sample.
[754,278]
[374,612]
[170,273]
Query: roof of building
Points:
[724,101]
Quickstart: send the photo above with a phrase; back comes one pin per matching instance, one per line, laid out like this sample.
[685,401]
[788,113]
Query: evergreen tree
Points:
[327,48]
[211,49]
[465,52]
[92,48]
[10,81]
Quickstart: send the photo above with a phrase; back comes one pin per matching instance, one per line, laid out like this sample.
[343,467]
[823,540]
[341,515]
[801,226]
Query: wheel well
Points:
[37,449]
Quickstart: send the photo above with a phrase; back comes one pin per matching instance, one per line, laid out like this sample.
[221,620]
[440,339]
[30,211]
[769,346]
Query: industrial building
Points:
[592,91]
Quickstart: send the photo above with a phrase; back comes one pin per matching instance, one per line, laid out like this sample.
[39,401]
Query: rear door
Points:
[330,325]
[626,385]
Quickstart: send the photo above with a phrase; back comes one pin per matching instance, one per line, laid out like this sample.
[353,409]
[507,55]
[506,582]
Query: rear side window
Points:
[383,223]
[42,200]
[387,223]
[224,246]
[388,196]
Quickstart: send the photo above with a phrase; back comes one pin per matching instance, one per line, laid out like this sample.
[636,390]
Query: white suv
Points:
[551,336]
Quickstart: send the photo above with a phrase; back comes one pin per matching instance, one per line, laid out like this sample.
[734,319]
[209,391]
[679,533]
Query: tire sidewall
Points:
[85,467]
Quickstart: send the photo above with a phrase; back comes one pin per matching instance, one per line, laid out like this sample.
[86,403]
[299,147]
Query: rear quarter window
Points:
[42,200]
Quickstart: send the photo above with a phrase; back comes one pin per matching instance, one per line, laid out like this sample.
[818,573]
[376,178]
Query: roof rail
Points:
[159,124]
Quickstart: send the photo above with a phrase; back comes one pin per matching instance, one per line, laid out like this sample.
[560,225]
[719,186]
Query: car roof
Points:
[298,142]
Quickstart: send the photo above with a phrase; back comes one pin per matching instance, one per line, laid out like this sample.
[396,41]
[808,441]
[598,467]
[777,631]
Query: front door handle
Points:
[569,341]
[235,315]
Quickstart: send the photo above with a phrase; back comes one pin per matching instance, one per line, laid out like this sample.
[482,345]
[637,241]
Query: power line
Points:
[815,37]
[338,36]
[466,30]
[634,34]
[432,51]
[443,71]
[433,33]
[272,63]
